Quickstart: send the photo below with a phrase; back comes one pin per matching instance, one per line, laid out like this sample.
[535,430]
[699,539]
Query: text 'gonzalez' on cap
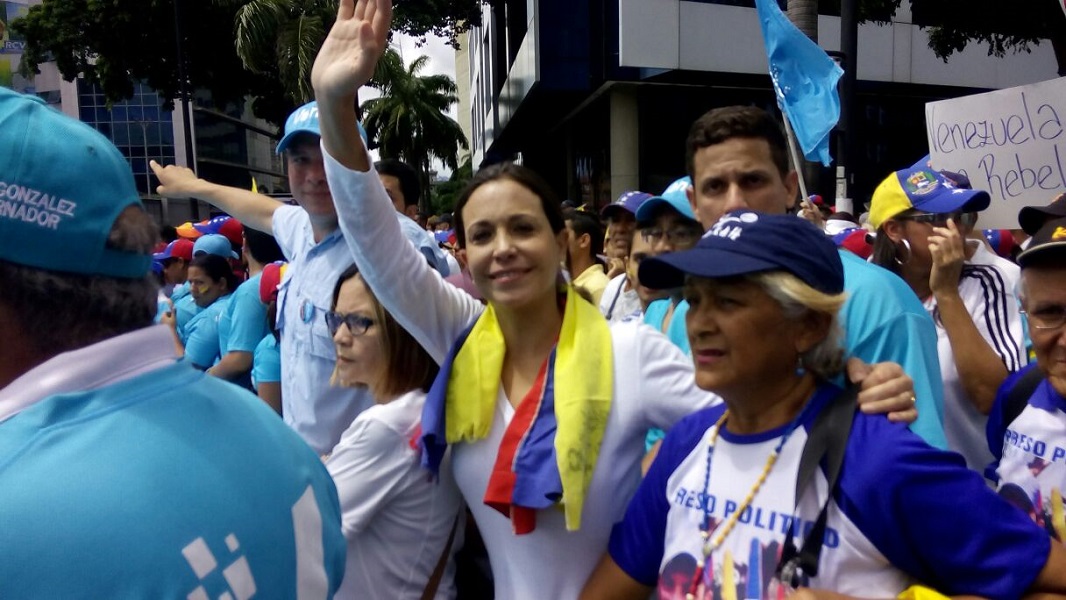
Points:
[62,186]
[744,242]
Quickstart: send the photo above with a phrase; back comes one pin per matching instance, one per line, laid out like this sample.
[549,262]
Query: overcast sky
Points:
[441,60]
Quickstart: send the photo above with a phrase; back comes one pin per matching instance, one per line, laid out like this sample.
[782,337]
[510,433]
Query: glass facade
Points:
[139,127]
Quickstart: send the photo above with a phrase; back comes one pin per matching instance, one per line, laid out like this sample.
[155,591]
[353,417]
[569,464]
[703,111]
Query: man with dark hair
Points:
[584,245]
[738,159]
[401,183]
[126,472]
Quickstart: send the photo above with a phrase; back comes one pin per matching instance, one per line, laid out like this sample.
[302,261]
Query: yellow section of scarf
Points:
[583,389]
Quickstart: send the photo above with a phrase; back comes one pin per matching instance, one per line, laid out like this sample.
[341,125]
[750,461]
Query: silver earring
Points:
[906,245]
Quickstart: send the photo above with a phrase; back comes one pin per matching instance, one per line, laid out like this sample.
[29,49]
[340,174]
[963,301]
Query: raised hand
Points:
[948,251]
[351,51]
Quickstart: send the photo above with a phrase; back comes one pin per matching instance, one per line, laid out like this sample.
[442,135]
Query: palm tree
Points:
[804,15]
[281,38]
[409,120]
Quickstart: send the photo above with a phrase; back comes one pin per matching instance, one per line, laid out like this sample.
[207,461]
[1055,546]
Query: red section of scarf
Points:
[500,490]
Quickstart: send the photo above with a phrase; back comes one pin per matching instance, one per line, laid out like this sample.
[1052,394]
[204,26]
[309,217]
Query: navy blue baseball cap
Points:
[628,202]
[744,242]
[925,190]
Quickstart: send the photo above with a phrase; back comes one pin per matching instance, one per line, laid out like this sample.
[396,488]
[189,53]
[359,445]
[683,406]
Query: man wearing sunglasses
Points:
[1027,426]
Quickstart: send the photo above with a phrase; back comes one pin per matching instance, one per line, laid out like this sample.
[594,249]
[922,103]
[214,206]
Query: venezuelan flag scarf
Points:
[550,448]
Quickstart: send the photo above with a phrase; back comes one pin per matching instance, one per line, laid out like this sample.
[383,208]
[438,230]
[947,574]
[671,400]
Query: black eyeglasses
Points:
[965,219]
[357,325]
[680,235]
[1049,317]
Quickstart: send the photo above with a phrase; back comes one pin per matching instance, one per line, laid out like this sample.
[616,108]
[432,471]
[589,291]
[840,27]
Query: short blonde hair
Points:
[826,358]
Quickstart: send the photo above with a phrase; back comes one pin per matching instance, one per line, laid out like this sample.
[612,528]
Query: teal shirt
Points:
[201,335]
[266,362]
[171,484]
[242,324]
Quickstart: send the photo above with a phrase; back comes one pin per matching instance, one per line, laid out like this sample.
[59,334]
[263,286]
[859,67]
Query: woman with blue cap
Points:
[922,219]
[786,485]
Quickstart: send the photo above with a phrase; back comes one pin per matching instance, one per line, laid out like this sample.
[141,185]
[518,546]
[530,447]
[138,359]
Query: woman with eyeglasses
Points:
[402,528]
[921,219]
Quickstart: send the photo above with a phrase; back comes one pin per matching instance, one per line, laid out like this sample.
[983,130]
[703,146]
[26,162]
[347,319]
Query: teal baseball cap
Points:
[213,243]
[62,186]
[305,120]
[674,197]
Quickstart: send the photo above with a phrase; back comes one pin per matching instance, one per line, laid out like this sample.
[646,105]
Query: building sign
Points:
[1010,143]
[9,11]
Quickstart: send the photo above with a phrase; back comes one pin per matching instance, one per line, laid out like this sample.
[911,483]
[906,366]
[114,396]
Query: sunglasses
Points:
[965,219]
[357,325]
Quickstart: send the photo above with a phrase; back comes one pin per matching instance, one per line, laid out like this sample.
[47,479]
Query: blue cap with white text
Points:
[744,242]
[305,120]
[62,186]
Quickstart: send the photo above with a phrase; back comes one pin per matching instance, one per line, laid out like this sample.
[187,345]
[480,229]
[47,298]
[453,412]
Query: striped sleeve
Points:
[996,313]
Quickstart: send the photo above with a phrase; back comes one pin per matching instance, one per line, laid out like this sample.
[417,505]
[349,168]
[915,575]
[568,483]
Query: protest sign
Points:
[1010,143]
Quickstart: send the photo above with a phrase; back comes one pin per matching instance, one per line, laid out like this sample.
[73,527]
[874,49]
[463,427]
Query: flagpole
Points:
[796,161]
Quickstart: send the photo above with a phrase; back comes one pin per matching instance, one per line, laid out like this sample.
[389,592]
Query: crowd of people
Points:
[713,392]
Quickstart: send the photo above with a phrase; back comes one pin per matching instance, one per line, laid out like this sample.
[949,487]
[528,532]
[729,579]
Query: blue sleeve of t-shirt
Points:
[933,518]
[266,361]
[248,318]
[638,541]
[185,309]
[201,347]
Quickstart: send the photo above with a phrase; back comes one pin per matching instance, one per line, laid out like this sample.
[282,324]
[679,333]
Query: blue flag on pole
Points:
[805,81]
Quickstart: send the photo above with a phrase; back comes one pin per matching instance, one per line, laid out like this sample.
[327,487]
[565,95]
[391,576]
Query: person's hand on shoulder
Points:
[884,389]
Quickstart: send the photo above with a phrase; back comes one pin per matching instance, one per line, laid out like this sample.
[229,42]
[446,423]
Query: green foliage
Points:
[1015,28]
[447,193]
[233,48]
[408,121]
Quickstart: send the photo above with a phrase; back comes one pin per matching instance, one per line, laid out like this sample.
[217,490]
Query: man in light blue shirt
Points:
[309,237]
